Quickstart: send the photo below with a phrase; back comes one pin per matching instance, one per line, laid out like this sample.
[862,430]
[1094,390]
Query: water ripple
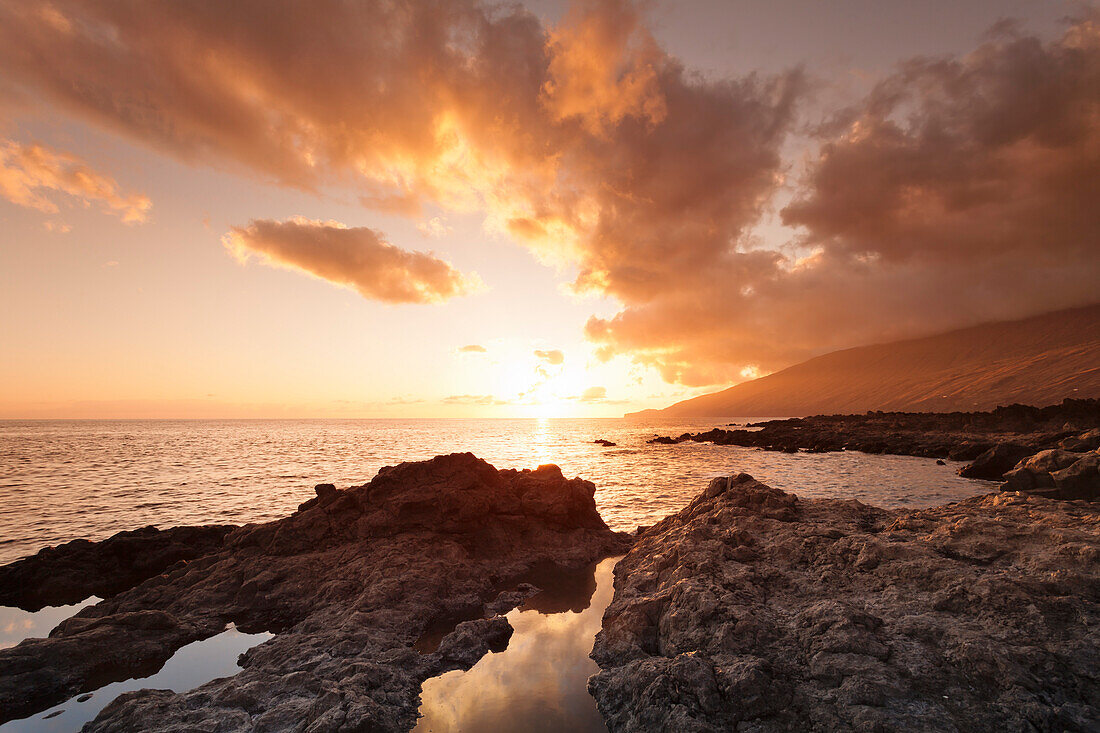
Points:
[65,479]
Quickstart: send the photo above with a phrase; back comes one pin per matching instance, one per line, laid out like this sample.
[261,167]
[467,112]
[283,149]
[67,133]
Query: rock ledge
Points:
[349,583]
[754,610]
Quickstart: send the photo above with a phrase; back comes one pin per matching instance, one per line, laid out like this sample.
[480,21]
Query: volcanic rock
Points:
[1057,473]
[348,584]
[754,610]
[69,573]
[995,462]
[1079,480]
[995,440]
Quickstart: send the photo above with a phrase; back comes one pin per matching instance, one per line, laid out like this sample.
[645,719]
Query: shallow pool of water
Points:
[192,665]
[539,683]
[17,624]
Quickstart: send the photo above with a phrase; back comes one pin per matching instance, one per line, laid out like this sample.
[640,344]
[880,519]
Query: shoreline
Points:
[347,584]
[994,442]
[753,609]
[445,547]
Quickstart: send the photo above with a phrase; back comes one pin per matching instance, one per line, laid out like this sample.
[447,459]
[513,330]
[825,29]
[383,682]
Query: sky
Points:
[574,209]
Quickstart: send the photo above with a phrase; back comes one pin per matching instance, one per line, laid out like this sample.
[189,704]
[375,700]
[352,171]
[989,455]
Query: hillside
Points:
[1038,361]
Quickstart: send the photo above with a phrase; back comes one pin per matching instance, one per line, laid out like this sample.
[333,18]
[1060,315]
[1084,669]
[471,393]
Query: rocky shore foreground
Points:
[1055,447]
[349,584]
[750,610]
[755,610]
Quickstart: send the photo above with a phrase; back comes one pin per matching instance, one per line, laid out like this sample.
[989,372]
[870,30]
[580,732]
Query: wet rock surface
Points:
[348,583]
[754,610]
[993,442]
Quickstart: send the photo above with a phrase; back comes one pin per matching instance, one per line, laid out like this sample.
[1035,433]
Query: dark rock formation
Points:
[996,462]
[754,610]
[349,582]
[996,440]
[1079,480]
[604,442]
[69,573]
[1057,473]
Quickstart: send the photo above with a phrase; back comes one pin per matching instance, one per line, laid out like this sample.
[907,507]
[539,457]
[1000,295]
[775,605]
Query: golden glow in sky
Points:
[551,209]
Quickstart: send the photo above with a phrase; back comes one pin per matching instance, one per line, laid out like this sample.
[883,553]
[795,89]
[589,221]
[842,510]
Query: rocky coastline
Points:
[349,584]
[755,610]
[751,609]
[993,443]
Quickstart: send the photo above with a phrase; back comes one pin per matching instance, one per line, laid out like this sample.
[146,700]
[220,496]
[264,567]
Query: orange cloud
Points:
[355,257]
[587,142]
[473,399]
[959,190]
[473,349]
[603,67]
[29,174]
[550,356]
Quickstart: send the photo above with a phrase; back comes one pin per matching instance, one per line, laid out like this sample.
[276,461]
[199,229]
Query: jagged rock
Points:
[1057,473]
[753,610]
[1035,472]
[996,462]
[69,573]
[960,436]
[348,584]
[1086,441]
[471,640]
[1081,479]
[604,442]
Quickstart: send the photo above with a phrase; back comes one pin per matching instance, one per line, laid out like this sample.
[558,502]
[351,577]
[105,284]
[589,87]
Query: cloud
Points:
[751,371]
[550,356]
[473,399]
[603,67]
[586,142]
[960,190]
[434,227]
[30,174]
[473,349]
[593,394]
[597,395]
[355,257]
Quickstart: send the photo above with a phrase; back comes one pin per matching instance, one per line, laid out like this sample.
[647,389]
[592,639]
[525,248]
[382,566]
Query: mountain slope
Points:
[1039,360]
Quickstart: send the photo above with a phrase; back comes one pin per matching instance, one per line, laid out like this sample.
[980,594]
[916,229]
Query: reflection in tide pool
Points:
[191,666]
[539,683]
[17,624]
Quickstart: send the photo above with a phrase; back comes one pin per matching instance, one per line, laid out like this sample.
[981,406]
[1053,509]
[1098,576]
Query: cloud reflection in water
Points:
[539,683]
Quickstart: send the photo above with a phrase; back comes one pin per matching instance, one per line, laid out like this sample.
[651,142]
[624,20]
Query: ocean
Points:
[63,479]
